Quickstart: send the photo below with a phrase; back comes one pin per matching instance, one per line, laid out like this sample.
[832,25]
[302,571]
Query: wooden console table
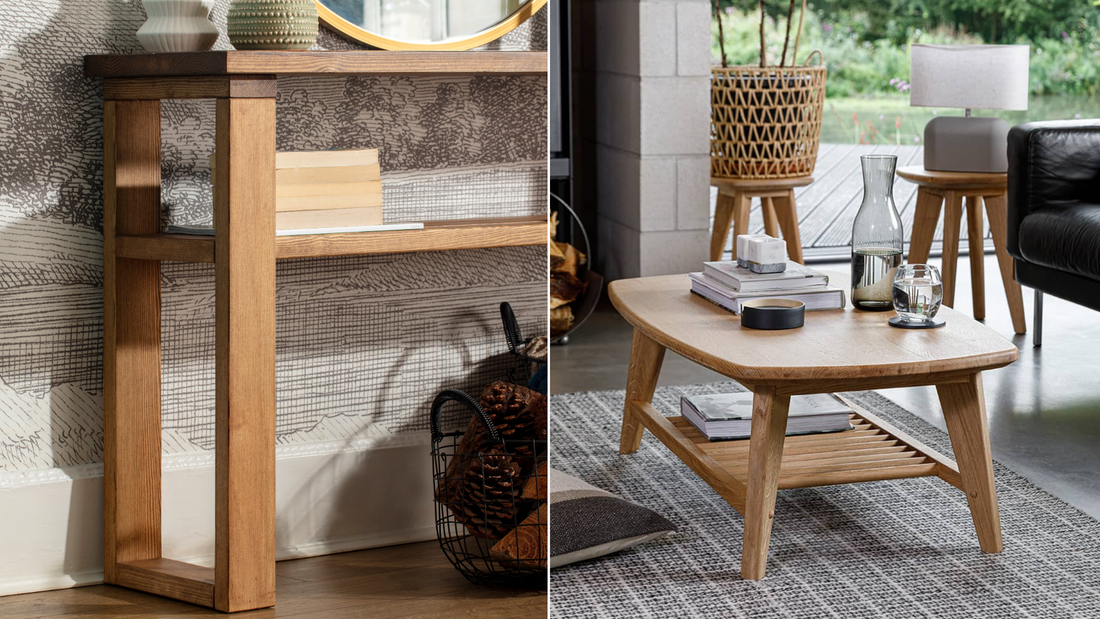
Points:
[243,250]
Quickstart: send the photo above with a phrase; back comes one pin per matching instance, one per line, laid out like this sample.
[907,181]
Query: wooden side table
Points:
[243,250]
[949,189]
[777,201]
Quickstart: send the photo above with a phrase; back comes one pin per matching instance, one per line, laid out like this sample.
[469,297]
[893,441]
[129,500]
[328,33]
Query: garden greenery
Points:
[865,42]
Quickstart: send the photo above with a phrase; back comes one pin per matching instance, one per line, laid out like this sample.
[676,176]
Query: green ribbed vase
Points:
[272,24]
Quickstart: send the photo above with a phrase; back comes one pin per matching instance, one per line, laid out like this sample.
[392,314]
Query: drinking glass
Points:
[918,292]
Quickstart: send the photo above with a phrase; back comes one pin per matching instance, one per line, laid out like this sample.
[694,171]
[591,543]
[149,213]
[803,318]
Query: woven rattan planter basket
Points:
[765,121]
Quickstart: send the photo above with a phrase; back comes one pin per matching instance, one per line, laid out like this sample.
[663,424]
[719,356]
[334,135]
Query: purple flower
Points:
[1078,115]
[1064,35]
[894,80]
[827,28]
[916,139]
[904,88]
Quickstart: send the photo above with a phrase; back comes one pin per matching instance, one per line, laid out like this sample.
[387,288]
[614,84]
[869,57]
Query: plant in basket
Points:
[766,119]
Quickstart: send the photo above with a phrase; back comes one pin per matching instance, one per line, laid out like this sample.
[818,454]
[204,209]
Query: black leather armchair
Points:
[1054,211]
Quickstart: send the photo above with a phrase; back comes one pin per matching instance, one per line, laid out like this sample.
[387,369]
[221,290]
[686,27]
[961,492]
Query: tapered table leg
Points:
[646,357]
[244,221]
[964,411]
[769,427]
[926,215]
[975,235]
[952,218]
[996,209]
[723,221]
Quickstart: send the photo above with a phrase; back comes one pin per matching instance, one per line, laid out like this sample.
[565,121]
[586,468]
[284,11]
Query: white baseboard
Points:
[330,498]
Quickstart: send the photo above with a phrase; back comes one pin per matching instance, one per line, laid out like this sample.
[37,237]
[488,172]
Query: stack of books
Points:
[321,192]
[727,285]
[728,416]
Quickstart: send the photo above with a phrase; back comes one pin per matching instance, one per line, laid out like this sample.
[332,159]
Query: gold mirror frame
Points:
[335,22]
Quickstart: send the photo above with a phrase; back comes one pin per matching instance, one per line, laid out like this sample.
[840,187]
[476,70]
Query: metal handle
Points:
[511,328]
[465,399]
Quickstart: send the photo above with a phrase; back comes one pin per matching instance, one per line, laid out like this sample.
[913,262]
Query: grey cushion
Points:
[586,522]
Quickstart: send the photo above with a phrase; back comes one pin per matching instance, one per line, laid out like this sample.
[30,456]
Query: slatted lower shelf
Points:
[864,453]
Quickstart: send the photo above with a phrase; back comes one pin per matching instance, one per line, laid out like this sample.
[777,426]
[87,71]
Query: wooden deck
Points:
[827,207]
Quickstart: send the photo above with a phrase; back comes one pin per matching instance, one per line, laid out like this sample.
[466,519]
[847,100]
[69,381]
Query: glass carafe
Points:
[877,236]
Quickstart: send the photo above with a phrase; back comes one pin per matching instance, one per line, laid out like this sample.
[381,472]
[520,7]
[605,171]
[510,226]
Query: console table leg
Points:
[769,429]
[646,357]
[244,212]
[131,338]
[964,411]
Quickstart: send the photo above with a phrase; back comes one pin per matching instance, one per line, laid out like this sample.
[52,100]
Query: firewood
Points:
[536,487]
[526,546]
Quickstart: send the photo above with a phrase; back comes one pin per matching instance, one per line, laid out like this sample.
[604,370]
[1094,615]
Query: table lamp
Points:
[989,77]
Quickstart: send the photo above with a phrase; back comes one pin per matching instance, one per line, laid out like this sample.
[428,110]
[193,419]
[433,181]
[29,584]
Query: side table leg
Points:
[952,217]
[975,236]
[244,567]
[723,221]
[996,209]
[771,220]
[769,428]
[964,411]
[926,215]
[646,357]
[787,213]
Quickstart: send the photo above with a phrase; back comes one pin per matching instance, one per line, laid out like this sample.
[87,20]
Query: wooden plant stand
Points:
[243,251]
[947,189]
[839,350]
[777,205]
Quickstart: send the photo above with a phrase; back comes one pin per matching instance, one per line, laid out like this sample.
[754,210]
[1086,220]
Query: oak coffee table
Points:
[838,350]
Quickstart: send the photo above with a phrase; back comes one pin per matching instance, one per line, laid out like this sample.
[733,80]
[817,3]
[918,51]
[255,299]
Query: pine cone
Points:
[490,493]
[481,477]
[519,414]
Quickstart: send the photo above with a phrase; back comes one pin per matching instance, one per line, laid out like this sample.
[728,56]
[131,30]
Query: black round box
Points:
[773,314]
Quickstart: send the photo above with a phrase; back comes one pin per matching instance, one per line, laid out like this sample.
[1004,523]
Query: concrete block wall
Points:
[647,68]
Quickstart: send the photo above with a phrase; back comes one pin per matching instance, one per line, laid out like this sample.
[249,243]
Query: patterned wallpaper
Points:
[364,343]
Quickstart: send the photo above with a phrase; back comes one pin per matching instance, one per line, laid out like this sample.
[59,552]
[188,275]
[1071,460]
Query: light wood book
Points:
[329,218]
[325,180]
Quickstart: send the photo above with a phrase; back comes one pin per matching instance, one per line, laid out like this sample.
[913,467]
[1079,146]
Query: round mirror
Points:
[426,24]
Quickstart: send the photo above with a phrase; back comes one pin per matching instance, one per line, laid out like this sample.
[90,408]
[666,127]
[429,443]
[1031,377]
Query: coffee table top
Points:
[834,344]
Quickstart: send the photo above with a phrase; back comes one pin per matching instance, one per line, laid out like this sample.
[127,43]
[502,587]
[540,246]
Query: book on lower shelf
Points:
[209,230]
[815,297]
[728,416]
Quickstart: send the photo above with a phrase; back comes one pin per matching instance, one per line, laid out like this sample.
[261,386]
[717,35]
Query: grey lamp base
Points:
[966,144]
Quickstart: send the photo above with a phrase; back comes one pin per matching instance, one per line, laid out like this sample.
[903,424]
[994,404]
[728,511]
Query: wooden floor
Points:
[828,206]
[413,580]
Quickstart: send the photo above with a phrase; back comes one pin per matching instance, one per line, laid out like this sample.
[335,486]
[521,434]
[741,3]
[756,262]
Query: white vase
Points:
[177,26]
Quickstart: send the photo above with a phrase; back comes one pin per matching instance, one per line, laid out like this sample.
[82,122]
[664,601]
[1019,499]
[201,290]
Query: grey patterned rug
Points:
[893,549]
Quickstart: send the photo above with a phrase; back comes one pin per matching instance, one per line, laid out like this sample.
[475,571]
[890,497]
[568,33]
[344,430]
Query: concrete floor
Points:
[1044,410]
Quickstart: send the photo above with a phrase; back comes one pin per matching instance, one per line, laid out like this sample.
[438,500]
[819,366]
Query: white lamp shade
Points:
[993,77]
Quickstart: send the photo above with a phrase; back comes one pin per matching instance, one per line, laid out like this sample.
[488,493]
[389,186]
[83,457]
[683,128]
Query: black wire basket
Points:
[524,367]
[475,518]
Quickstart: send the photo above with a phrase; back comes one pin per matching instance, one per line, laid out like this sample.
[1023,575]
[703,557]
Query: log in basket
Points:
[766,121]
